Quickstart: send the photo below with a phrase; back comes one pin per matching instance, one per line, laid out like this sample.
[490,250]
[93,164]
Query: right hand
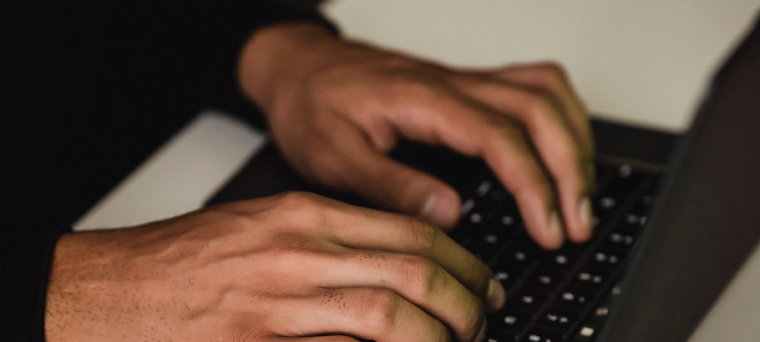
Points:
[289,267]
[336,108]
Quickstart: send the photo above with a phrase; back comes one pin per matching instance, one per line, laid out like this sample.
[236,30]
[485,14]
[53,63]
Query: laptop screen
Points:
[707,221]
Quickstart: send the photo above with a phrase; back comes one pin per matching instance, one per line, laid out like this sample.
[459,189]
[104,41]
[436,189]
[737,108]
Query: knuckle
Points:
[442,334]
[538,105]
[298,201]
[423,235]
[415,88]
[507,131]
[381,310]
[472,323]
[420,276]
[300,210]
[396,62]
[232,215]
[552,69]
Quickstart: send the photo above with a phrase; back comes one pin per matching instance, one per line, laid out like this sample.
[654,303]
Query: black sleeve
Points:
[95,96]
[25,257]
[228,38]
[206,40]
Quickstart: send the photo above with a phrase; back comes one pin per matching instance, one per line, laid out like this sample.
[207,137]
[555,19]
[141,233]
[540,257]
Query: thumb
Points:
[400,188]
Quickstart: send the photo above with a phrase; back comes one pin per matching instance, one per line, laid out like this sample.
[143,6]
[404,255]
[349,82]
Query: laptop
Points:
[675,219]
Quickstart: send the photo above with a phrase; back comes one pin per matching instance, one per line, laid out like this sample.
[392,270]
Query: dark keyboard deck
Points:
[563,295]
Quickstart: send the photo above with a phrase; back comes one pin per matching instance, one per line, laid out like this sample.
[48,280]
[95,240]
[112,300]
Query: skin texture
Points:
[302,267]
[287,267]
[336,108]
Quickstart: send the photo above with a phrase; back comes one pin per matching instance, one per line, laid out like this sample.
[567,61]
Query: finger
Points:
[405,189]
[394,185]
[366,313]
[328,338]
[560,151]
[445,116]
[367,229]
[552,78]
[514,162]
[418,280]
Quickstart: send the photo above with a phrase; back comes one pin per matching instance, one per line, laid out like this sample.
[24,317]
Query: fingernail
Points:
[482,334]
[555,227]
[428,207]
[495,295]
[439,209]
[584,215]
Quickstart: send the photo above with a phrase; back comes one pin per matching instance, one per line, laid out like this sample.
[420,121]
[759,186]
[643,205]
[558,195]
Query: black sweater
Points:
[96,91]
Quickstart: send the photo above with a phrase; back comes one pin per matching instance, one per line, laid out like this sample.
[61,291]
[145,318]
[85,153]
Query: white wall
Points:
[642,62]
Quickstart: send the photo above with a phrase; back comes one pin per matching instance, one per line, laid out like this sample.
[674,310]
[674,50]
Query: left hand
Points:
[295,267]
[336,108]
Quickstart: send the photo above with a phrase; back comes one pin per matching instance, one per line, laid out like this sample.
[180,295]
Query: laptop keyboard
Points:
[563,295]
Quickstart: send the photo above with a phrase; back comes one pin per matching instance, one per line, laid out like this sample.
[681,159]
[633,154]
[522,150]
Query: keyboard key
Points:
[482,209]
[541,335]
[608,202]
[590,278]
[491,189]
[623,184]
[507,276]
[475,218]
[620,239]
[607,257]
[563,259]
[631,223]
[543,279]
[601,312]
[557,319]
[603,174]
[506,220]
[467,205]
[499,195]
[497,336]
[491,226]
[557,260]
[526,301]
[485,244]
[626,173]
[587,332]
[574,298]
[484,187]
[522,252]
[509,321]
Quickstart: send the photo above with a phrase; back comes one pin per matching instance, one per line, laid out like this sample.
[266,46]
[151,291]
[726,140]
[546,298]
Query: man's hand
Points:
[285,268]
[336,108]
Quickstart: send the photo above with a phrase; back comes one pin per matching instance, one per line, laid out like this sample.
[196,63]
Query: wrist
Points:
[276,58]
[77,283]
